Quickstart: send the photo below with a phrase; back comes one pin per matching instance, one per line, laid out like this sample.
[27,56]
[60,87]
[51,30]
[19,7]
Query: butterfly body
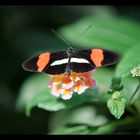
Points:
[78,61]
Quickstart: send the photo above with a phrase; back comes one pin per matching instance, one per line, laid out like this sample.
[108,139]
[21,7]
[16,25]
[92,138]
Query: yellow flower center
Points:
[66,91]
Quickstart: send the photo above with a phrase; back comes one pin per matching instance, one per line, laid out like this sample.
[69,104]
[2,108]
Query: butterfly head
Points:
[70,51]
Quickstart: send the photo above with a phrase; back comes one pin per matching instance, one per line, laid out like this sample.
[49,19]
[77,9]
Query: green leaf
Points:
[90,115]
[117,34]
[107,128]
[130,84]
[46,101]
[115,85]
[87,115]
[103,76]
[82,129]
[35,92]
[130,59]
[49,102]
[116,107]
[33,85]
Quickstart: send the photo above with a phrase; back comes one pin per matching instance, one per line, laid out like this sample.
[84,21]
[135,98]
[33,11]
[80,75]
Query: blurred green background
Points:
[26,31]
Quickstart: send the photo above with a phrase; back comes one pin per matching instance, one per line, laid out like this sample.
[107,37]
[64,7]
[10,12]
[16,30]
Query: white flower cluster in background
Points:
[136,71]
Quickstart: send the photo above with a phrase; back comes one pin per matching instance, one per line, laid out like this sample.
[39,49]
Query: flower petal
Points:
[74,76]
[51,82]
[55,90]
[64,86]
[66,96]
[93,84]
[90,83]
[78,84]
[86,74]
[82,89]
[66,80]
[66,93]
[68,86]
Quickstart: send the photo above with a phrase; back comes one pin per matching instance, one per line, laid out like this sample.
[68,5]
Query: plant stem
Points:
[137,88]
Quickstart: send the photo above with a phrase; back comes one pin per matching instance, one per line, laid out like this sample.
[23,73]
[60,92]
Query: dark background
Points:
[25,31]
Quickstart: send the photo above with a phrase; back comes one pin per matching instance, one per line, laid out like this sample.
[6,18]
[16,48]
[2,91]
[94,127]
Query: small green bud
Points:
[116,95]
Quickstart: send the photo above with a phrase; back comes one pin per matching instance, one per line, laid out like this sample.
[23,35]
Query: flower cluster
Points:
[64,86]
[136,71]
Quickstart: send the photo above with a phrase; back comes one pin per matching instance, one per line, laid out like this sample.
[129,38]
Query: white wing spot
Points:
[79,60]
[64,61]
[59,62]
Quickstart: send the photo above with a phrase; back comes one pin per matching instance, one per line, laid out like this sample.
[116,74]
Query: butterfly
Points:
[78,61]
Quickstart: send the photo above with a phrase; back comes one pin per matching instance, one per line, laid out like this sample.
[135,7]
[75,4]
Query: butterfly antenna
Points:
[66,42]
[82,33]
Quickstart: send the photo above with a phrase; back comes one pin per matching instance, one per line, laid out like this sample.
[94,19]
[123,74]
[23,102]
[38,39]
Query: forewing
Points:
[43,61]
[95,58]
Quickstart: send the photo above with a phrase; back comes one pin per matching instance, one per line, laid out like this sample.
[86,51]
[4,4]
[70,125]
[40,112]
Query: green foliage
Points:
[113,33]
[83,129]
[115,85]
[81,120]
[128,61]
[32,95]
[30,88]
[116,105]
[48,102]
[72,130]
[26,31]
[84,114]
[73,116]
[86,119]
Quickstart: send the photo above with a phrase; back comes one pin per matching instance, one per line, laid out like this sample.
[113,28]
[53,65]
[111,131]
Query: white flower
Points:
[66,93]
[136,71]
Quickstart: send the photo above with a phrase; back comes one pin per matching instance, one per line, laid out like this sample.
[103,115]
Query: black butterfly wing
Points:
[95,58]
[43,63]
